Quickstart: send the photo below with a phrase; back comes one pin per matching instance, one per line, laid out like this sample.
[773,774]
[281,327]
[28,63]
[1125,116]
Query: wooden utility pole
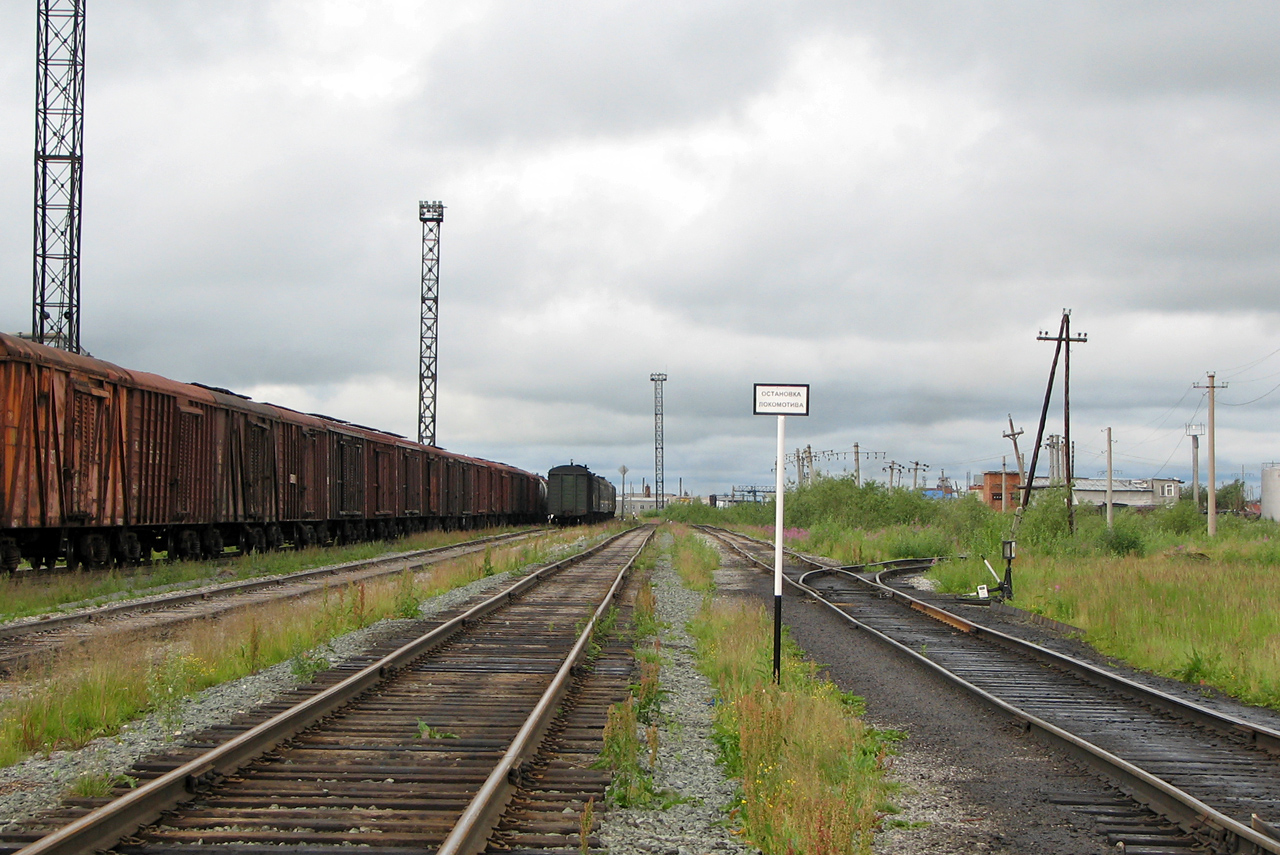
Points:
[1213,474]
[916,467]
[1064,340]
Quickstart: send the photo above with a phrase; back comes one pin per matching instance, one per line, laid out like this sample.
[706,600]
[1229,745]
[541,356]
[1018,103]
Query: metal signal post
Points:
[432,216]
[55,315]
[781,400]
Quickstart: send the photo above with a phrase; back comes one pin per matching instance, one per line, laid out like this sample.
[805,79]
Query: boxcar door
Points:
[85,435]
[411,477]
[350,486]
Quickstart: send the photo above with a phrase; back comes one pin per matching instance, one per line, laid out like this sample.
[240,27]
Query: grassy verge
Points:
[23,597]
[1154,590]
[94,691]
[812,773]
[1205,622]
[694,559]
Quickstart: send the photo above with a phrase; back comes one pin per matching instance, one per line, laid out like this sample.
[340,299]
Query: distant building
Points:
[1000,489]
[1125,492]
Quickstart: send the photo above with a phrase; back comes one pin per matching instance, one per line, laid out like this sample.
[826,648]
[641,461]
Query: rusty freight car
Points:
[102,465]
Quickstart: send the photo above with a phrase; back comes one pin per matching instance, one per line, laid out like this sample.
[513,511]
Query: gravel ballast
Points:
[39,783]
[686,755]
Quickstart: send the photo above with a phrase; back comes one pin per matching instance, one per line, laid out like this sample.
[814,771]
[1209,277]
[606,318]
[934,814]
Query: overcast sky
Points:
[886,200]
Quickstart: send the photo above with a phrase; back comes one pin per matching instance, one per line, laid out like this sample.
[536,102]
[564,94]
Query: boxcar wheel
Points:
[212,543]
[10,555]
[187,545]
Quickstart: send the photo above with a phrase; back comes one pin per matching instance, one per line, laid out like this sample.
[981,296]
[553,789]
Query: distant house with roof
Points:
[1125,492]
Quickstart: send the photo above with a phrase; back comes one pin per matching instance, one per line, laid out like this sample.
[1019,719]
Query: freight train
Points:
[575,495]
[100,465]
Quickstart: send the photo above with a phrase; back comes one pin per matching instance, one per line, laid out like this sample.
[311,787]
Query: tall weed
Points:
[812,773]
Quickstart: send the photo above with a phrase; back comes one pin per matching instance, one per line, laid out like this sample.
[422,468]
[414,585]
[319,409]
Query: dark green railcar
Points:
[575,495]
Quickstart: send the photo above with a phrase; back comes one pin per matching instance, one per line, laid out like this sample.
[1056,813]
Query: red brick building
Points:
[1000,490]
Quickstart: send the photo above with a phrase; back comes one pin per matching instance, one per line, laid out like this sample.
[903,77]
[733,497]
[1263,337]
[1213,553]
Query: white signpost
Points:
[781,400]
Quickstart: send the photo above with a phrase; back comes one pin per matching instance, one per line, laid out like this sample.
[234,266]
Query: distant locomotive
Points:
[100,465]
[576,495]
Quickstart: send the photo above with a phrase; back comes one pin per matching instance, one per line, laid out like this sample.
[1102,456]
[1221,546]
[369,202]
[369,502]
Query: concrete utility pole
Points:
[857,462]
[1004,484]
[1110,506]
[1017,455]
[1195,432]
[916,468]
[1213,474]
[893,467]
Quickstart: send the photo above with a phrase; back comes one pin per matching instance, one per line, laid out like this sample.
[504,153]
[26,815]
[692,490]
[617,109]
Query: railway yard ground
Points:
[950,775]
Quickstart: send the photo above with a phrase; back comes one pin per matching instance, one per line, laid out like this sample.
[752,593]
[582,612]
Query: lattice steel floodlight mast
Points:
[55,315]
[432,216]
[660,501]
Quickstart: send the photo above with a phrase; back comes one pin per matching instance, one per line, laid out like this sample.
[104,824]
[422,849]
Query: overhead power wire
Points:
[1251,400]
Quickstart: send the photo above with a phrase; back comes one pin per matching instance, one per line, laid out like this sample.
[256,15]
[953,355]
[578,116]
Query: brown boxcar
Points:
[99,464]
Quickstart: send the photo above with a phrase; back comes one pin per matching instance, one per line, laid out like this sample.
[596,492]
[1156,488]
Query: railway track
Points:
[1213,776]
[24,642]
[420,749]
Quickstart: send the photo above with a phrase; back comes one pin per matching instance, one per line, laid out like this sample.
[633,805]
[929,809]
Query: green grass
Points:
[24,597]
[1154,590]
[1209,622]
[694,559]
[812,774]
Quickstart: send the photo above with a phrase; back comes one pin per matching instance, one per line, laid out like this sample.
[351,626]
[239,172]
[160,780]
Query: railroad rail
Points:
[419,749]
[1215,776]
[23,641]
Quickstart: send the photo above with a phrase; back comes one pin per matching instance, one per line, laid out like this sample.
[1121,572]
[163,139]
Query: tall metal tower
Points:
[55,316]
[432,216]
[659,497]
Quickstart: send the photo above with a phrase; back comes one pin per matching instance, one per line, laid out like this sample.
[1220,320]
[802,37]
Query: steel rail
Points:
[106,825]
[48,621]
[485,809]
[1170,801]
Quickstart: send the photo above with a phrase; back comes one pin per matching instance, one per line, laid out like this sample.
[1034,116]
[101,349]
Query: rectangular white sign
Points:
[781,399]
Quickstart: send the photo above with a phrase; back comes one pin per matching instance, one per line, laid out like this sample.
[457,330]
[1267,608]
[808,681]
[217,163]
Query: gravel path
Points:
[686,754]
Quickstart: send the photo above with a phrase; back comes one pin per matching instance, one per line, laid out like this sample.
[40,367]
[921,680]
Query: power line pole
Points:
[1064,341]
[893,468]
[1017,455]
[1110,506]
[916,468]
[857,462]
[59,186]
[1213,486]
[432,216]
[1004,484]
[658,476]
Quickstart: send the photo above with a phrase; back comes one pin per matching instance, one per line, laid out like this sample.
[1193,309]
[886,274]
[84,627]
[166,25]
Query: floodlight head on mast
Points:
[431,212]
[658,377]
